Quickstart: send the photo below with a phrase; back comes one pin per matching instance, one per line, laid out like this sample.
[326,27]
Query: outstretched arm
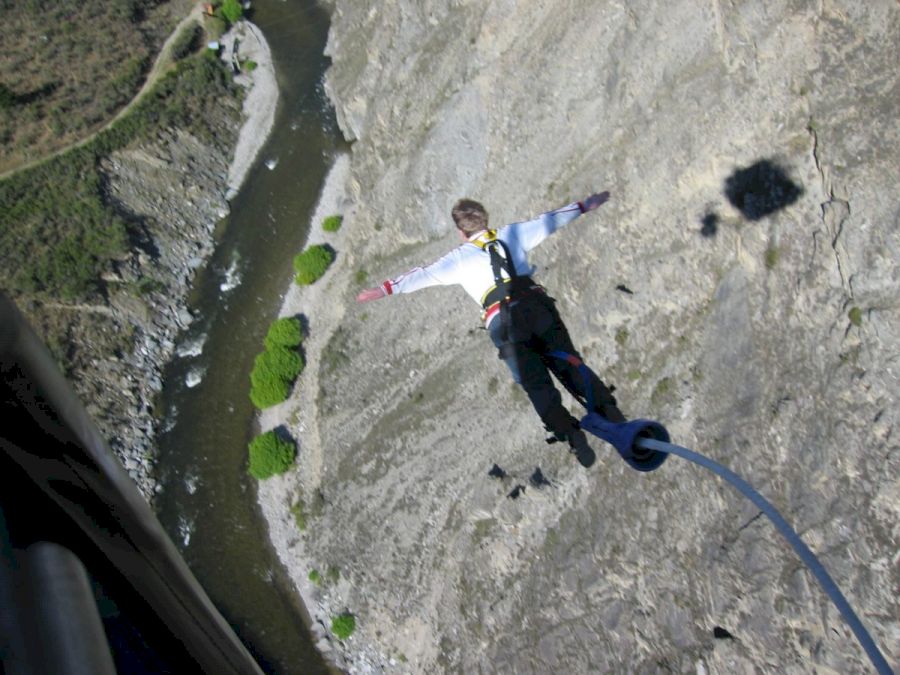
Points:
[371,294]
[532,232]
[442,272]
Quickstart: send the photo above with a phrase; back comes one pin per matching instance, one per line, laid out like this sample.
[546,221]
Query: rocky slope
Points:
[741,287]
[173,189]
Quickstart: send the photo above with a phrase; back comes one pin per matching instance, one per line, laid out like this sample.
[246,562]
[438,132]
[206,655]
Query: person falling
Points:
[521,318]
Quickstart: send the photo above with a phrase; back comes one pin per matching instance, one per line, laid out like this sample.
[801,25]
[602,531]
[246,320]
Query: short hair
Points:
[470,216]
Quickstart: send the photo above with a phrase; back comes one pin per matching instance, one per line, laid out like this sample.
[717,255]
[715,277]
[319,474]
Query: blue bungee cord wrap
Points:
[645,445]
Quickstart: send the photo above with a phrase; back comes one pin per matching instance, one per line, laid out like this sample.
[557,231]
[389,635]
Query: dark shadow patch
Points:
[304,324]
[538,479]
[282,432]
[36,95]
[517,492]
[721,634]
[497,472]
[709,225]
[624,289]
[761,189]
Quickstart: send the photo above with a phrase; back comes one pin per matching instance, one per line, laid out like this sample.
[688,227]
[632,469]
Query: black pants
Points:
[525,338]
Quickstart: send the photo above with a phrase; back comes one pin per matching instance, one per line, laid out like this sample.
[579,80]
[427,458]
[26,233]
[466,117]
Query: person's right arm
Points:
[438,273]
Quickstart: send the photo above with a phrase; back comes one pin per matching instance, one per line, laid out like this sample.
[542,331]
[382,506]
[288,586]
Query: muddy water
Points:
[208,501]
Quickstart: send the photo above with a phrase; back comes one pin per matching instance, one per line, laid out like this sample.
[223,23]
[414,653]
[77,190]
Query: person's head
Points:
[470,216]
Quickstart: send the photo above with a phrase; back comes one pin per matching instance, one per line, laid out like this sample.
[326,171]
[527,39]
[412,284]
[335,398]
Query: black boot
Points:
[578,446]
[564,427]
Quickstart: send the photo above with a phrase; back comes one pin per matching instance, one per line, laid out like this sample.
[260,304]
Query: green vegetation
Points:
[266,391]
[312,263]
[270,455]
[276,368]
[187,42]
[231,10]
[332,223]
[249,65]
[661,391]
[333,574]
[343,626]
[299,513]
[773,254]
[7,97]
[274,371]
[856,316]
[621,336]
[215,26]
[58,231]
[279,361]
[68,67]
[361,277]
[315,577]
[285,332]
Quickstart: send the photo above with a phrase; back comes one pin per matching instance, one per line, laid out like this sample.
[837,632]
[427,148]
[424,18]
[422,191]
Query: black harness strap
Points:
[501,263]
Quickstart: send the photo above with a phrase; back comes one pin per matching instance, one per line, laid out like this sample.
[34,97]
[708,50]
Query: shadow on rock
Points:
[760,189]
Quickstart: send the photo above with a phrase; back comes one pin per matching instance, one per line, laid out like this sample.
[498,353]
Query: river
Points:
[208,501]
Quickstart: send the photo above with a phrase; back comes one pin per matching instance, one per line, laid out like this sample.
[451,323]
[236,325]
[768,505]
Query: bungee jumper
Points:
[520,317]
[523,322]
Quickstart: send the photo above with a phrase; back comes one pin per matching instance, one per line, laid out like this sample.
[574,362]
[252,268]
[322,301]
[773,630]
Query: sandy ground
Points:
[260,102]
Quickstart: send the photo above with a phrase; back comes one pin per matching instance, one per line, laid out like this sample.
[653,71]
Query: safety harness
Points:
[499,296]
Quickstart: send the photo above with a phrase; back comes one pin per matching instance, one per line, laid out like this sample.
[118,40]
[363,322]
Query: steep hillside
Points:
[740,286]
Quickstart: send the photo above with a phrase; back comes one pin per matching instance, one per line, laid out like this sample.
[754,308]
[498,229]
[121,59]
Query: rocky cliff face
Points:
[174,187]
[741,287]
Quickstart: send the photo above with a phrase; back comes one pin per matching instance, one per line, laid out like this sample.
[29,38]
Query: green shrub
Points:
[280,362]
[332,223]
[249,65]
[274,370]
[232,10]
[315,577]
[343,626]
[856,316]
[312,263]
[285,332]
[270,455]
[267,390]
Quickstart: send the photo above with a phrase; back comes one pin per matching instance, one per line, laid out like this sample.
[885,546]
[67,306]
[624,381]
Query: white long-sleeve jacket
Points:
[469,265]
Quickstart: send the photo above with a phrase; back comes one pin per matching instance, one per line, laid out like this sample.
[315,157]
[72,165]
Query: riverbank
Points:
[178,185]
[321,314]
[260,102]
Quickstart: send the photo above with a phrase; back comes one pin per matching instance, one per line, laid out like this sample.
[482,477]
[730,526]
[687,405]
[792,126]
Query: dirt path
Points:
[160,66]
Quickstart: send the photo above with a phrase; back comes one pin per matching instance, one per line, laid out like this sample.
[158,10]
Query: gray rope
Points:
[807,556]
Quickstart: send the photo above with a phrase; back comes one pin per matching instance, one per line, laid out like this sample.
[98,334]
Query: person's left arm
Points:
[532,232]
